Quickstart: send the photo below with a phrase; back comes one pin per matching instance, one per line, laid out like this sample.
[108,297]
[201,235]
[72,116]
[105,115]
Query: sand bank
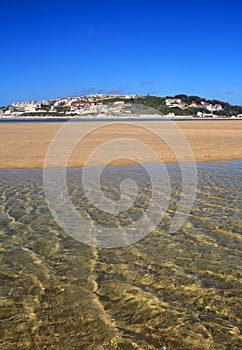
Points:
[24,145]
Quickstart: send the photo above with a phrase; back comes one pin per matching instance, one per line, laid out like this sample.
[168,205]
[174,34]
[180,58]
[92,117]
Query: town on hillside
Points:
[110,105]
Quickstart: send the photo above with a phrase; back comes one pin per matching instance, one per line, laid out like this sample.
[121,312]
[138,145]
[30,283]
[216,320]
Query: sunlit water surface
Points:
[167,291]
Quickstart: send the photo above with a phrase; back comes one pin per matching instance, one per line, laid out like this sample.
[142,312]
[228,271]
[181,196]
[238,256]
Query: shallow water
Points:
[166,291]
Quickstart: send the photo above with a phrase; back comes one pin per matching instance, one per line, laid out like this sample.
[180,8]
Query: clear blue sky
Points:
[53,48]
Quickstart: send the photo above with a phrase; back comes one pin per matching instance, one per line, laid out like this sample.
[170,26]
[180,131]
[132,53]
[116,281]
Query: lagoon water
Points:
[166,291]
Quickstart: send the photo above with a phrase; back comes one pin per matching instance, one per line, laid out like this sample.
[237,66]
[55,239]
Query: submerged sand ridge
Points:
[24,145]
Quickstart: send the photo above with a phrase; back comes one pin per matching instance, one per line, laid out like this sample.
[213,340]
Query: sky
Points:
[51,49]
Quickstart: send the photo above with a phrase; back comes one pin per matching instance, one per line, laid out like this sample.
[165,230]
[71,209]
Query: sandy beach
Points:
[24,145]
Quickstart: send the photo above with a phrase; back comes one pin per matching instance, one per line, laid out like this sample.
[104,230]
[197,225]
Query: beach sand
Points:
[24,145]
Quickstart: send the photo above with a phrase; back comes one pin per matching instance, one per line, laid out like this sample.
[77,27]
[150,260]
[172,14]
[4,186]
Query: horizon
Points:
[57,49]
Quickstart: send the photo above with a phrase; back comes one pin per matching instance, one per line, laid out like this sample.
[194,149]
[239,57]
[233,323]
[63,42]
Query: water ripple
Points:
[180,291]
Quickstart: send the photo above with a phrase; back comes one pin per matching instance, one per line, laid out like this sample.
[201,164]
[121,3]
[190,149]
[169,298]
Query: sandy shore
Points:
[24,145]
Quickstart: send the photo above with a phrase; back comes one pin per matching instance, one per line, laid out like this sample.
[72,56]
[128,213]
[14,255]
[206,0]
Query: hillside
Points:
[179,105]
[159,104]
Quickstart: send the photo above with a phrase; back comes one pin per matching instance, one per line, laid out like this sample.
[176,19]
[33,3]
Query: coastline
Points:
[24,145]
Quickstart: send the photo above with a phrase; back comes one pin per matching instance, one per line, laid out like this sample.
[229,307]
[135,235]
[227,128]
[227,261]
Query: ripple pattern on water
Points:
[180,291]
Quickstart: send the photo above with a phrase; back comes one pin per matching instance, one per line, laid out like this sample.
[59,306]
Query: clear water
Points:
[180,291]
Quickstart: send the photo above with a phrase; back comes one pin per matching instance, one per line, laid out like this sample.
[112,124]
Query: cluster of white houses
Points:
[27,107]
[92,104]
[177,102]
[73,105]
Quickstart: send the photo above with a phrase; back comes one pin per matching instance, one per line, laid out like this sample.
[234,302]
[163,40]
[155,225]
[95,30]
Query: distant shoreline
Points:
[63,120]
[23,145]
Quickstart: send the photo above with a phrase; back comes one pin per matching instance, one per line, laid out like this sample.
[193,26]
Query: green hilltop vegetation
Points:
[159,104]
[185,106]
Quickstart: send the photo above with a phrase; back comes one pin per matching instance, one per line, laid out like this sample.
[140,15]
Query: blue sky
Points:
[53,48]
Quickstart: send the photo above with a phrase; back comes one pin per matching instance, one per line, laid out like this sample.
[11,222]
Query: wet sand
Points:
[24,145]
[167,291]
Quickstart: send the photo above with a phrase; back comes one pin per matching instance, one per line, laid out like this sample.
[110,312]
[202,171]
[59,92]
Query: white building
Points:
[171,102]
[119,103]
[214,108]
